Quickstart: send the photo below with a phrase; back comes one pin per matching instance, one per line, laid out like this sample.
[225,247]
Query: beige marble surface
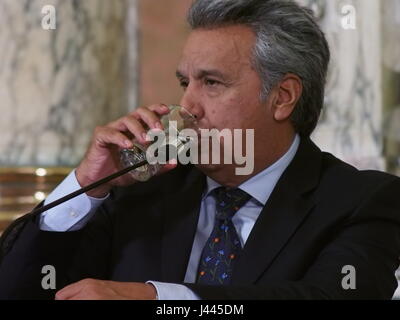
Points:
[351,125]
[57,85]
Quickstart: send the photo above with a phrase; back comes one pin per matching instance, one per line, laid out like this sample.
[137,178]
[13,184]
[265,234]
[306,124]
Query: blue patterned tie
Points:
[223,246]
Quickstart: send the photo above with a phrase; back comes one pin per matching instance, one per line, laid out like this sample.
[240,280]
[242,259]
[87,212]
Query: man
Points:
[287,231]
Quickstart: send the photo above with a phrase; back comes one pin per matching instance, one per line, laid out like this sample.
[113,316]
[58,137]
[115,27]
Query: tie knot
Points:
[229,201]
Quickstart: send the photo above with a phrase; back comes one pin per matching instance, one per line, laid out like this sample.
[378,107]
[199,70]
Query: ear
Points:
[288,93]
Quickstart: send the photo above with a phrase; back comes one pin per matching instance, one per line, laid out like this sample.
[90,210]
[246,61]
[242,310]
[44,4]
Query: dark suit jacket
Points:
[322,215]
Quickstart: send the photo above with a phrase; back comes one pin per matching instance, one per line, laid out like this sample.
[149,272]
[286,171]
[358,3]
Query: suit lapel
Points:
[181,214]
[286,209]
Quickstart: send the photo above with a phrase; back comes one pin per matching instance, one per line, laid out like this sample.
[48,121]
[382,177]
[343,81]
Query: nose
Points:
[191,101]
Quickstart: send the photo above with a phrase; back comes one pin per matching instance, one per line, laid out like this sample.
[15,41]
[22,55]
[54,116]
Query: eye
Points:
[211,82]
[184,84]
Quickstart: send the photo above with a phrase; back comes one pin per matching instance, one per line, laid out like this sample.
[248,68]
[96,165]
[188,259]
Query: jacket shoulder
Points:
[343,181]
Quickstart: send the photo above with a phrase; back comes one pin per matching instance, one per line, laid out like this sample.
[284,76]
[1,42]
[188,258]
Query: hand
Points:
[90,289]
[103,159]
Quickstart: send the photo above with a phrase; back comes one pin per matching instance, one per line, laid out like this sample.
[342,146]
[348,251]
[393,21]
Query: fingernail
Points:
[127,143]
[159,125]
[144,136]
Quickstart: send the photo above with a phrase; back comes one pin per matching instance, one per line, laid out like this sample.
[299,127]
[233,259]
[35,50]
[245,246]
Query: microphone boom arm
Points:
[87,188]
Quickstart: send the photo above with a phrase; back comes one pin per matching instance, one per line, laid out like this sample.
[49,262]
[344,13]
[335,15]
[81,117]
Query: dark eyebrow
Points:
[202,74]
[179,75]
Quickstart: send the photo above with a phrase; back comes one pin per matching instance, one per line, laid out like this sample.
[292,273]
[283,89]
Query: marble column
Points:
[351,124]
[57,85]
[391,83]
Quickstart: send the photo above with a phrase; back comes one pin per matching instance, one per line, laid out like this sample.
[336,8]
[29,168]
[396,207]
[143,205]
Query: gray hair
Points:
[288,41]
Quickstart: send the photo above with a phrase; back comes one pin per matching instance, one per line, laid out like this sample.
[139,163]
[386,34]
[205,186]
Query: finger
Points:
[160,108]
[133,124]
[69,291]
[104,136]
[135,127]
[142,115]
[149,117]
[86,297]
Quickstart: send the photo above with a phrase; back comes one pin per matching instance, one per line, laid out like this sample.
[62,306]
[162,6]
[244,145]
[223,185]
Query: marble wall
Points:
[391,83]
[57,85]
[351,124]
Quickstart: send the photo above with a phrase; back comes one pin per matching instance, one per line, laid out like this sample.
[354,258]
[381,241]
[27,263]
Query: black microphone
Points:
[87,188]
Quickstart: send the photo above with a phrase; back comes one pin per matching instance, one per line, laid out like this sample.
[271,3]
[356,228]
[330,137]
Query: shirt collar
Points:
[261,185]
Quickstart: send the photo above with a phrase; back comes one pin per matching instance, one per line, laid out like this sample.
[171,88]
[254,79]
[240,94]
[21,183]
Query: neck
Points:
[263,158]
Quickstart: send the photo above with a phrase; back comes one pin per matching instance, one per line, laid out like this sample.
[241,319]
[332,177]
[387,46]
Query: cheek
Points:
[231,114]
[233,111]
[242,112]
[217,116]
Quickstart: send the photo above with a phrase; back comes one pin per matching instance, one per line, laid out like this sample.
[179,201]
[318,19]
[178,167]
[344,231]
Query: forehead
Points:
[224,47]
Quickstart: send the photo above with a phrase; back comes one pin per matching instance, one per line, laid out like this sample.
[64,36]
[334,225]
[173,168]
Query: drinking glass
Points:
[174,122]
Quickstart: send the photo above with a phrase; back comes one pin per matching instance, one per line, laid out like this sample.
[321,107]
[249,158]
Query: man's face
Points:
[221,87]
